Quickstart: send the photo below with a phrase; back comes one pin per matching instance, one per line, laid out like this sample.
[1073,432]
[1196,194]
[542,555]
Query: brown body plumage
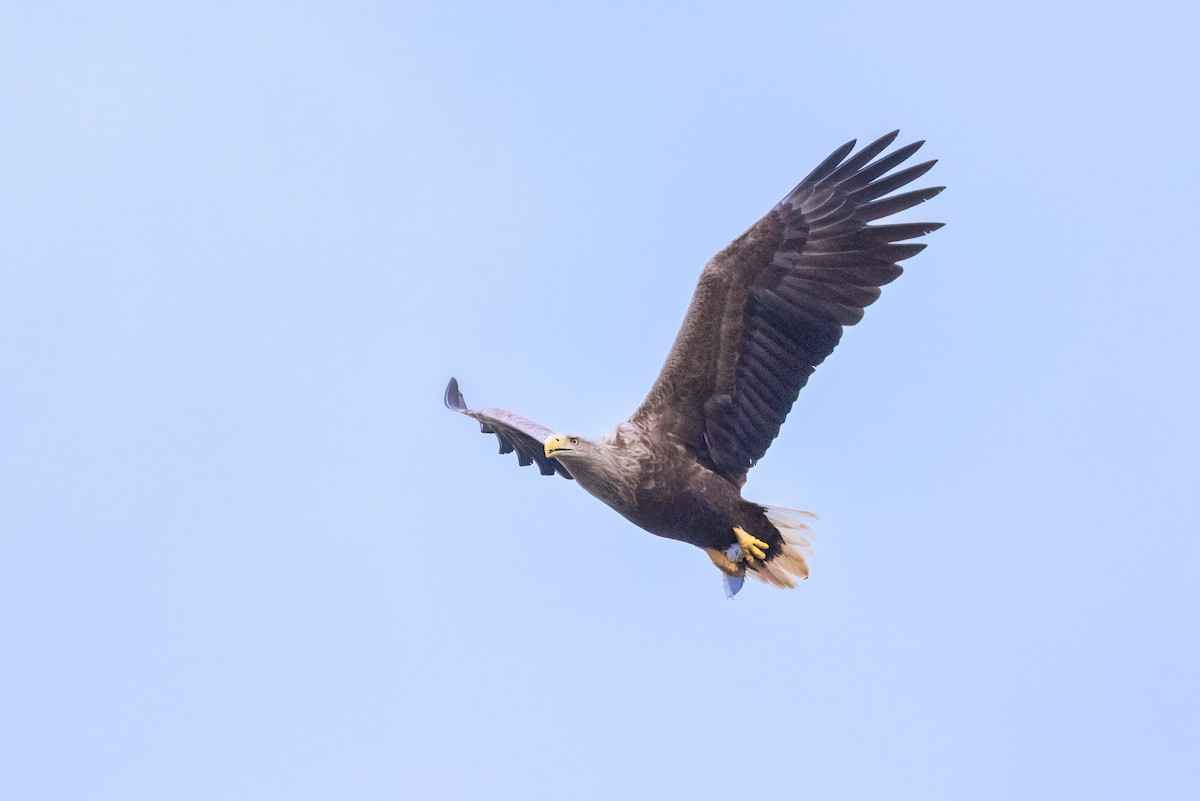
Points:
[767,310]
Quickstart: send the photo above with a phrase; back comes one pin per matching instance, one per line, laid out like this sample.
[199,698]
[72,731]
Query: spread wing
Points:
[772,305]
[514,432]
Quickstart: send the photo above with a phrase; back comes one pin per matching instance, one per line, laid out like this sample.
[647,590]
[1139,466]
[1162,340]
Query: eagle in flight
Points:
[767,310]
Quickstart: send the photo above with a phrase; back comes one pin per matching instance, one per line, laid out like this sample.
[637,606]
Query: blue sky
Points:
[246,554]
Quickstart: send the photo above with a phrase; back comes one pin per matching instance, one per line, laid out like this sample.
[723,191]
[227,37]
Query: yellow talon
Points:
[752,548]
[724,564]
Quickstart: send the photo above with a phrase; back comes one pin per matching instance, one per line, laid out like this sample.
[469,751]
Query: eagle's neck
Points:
[612,469]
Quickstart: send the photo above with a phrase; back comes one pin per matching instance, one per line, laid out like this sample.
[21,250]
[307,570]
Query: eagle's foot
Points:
[725,564]
[752,548]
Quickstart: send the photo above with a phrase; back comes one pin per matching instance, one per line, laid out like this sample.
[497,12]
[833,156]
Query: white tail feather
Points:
[782,569]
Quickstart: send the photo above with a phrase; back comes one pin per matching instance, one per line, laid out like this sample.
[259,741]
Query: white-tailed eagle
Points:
[767,310]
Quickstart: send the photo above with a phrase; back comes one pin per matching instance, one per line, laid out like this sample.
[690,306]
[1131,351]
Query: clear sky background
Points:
[246,554]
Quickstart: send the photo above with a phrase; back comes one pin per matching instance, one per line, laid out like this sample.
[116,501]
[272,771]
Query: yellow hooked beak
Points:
[556,445]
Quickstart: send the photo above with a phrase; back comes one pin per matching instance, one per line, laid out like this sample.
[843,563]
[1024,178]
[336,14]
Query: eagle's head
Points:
[603,466]
[569,445]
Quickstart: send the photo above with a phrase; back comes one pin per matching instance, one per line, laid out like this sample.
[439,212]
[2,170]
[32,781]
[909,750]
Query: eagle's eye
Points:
[574,440]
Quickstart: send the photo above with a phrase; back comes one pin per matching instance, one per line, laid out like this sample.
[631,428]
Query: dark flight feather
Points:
[771,306]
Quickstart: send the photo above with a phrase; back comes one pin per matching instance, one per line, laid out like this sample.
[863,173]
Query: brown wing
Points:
[772,305]
[515,433]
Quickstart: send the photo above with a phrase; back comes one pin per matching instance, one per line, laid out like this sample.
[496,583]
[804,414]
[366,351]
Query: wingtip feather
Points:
[830,163]
[453,398]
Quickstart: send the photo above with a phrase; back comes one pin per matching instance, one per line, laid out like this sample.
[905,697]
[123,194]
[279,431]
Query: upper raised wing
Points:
[514,432]
[772,305]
